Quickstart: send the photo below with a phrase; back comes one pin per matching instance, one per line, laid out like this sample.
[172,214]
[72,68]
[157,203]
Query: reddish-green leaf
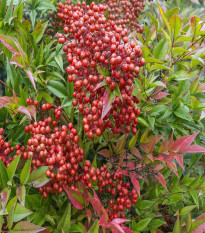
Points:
[5,100]
[75,197]
[135,182]
[27,227]
[171,164]
[161,179]
[108,99]
[198,226]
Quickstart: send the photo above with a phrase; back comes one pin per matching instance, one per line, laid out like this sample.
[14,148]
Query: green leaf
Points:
[183,112]
[187,209]
[198,226]
[65,220]
[133,140]
[142,224]
[59,61]
[188,222]
[145,204]
[143,122]
[160,67]
[20,212]
[3,8]
[137,93]
[195,196]
[153,19]
[33,17]
[75,228]
[153,60]
[175,24]
[10,219]
[12,167]
[177,228]
[156,223]
[12,204]
[182,39]
[164,19]
[9,11]
[57,89]
[94,228]
[38,177]
[3,174]
[161,49]
[25,173]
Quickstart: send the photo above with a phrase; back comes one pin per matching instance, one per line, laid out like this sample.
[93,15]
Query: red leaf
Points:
[160,95]
[136,152]
[70,193]
[96,206]
[5,100]
[105,153]
[25,226]
[107,103]
[171,164]
[117,227]
[178,142]
[30,75]
[170,142]
[195,149]
[161,179]
[160,158]
[163,147]
[120,171]
[187,142]
[25,111]
[135,183]
[127,230]
[104,223]
[179,159]
[119,220]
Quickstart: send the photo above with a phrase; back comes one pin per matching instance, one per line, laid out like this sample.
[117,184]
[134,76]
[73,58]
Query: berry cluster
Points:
[116,195]
[56,146]
[125,13]
[93,45]
[5,149]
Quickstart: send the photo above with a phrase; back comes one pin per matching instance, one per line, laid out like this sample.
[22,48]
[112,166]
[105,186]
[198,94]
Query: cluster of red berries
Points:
[5,149]
[94,44]
[54,24]
[125,13]
[117,194]
[56,146]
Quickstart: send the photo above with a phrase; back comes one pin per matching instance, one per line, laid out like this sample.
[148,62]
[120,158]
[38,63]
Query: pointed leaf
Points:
[106,153]
[108,99]
[195,149]
[135,183]
[75,197]
[171,164]
[12,167]
[20,212]
[94,228]
[187,142]
[27,227]
[198,226]
[38,177]
[161,179]
[177,228]
[25,173]
[3,174]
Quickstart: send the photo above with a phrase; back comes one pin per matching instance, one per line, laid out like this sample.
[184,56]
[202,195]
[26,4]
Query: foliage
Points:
[163,161]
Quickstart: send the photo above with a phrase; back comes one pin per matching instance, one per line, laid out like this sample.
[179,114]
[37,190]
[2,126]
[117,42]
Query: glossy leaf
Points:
[25,173]
[3,174]
[12,167]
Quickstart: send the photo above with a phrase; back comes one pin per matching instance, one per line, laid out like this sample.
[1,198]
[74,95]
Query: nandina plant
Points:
[83,159]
